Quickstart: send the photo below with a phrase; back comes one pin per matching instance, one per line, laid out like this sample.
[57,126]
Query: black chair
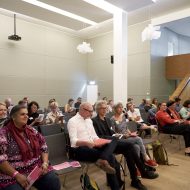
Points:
[144,115]
[58,154]
[171,136]
[67,116]
[50,129]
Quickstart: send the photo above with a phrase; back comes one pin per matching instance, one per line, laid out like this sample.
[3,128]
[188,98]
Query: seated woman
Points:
[134,115]
[22,148]
[184,111]
[54,116]
[120,124]
[33,115]
[69,106]
[171,124]
[3,113]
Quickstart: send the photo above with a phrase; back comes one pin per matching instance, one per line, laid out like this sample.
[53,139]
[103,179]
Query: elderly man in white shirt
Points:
[83,147]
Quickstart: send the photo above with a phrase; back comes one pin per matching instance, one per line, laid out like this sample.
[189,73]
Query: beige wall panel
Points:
[43,65]
[135,43]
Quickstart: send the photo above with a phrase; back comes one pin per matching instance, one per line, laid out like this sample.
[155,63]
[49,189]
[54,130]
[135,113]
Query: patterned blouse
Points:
[9,151]
[120,126]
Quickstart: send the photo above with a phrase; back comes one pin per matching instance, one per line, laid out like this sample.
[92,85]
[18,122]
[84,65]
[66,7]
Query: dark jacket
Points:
[100,129]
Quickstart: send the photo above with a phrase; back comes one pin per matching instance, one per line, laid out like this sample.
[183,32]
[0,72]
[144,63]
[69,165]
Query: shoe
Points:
[138,185]
[151,163]
[149,175]
[138,173]
[187,153]
[104,165]
[148,168]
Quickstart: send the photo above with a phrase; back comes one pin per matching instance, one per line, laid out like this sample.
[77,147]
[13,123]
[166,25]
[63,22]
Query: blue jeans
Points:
[47,182]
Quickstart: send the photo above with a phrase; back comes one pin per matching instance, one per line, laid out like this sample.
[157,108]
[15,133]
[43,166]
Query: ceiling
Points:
[138,11]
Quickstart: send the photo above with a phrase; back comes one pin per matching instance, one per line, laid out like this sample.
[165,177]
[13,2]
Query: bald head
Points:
[86,110]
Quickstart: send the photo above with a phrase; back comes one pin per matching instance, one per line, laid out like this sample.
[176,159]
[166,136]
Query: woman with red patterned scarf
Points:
[22,148]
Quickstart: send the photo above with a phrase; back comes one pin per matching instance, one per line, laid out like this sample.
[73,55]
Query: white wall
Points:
[138,63]
[100,68]
[43,65]
[162,88]
[184,44]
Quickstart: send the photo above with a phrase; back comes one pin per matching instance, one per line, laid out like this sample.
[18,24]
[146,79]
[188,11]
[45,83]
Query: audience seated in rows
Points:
[103,128]
[22,149]
[178,104]
[134,115]
[171,123]
[33,115]
[54,116]
[82,137]
[69,106]
[120,126]
[185,110]
[9,104]
[77,104]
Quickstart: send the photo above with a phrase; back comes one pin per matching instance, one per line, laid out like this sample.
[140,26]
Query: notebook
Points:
[33,176]
[74,164]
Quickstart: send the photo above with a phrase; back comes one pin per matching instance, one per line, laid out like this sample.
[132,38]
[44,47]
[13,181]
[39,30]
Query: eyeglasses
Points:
[88,110]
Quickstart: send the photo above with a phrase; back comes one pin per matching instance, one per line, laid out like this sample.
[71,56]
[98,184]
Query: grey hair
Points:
[99,104]
[116,106]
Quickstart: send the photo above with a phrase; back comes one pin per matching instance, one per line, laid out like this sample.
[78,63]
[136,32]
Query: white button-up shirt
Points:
[135,114]
[81,129]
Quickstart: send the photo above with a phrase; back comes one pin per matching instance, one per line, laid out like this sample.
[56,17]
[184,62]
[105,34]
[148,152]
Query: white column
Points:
[120,57]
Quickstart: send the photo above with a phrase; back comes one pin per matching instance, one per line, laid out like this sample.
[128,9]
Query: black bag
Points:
[160,153]
[88,183]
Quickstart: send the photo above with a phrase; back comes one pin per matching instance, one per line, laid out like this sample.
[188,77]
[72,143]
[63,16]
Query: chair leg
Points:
[179,142]
[64,180]
[124,163]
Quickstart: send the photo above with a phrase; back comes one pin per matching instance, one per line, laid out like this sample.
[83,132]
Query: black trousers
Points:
[178,129]
[131,156]
[93,154]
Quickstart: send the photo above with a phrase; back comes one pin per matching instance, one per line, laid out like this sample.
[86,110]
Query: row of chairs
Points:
[57,142]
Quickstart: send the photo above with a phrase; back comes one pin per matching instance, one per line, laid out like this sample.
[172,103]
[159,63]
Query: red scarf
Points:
[27,151]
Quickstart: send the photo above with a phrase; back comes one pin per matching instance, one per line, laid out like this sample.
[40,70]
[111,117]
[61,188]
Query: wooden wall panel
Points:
[177,66]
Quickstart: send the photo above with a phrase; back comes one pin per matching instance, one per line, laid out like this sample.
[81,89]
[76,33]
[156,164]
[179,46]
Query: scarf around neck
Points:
[28,150]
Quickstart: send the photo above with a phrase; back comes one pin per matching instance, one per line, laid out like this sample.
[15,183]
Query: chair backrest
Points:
[67,116]
[51,129]
[132,126]
[37,128]
[57,148]
[109,115]
[144,115]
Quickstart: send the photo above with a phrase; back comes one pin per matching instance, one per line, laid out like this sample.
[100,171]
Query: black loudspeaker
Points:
[112,59]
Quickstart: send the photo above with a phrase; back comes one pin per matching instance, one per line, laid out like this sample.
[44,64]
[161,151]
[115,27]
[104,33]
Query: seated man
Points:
[83,136]
[171,124]
[102,127]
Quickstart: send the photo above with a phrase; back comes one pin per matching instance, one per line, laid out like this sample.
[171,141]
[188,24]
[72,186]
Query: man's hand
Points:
[90,144]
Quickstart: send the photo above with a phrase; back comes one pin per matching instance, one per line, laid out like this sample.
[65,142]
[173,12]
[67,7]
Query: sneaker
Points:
[149,175]
[138,185]
[138,173]
[104,165]
[151,163]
